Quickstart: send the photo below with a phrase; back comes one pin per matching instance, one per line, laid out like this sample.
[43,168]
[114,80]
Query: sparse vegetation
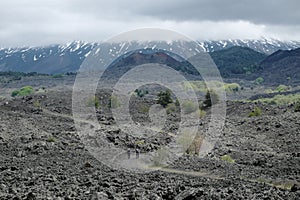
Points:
[281,99]
[93,101]
[24,91]
[256,112]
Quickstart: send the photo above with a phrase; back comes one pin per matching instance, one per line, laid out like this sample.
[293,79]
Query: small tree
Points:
[164,98]
[210,98]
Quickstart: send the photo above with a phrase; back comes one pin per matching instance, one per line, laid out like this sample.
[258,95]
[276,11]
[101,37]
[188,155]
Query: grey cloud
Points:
[283,12]
[35,22]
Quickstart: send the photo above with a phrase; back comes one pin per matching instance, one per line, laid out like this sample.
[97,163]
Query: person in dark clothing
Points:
[137,153]
[128,153]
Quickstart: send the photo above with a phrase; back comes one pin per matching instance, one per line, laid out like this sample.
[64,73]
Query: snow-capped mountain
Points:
[68,57]
[266,46]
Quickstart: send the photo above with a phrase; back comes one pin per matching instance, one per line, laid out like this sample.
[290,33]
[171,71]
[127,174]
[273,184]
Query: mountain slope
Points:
[282,67]
[237,60]
[50,59]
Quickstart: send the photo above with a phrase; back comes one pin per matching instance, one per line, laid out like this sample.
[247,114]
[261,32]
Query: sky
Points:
[43,22]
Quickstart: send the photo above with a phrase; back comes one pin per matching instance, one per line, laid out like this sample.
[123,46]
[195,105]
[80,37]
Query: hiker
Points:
[128,153]
[137,153]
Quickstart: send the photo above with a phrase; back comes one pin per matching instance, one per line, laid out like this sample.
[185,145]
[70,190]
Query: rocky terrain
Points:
[42,157]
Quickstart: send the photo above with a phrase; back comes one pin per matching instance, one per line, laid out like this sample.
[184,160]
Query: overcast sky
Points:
[42,22]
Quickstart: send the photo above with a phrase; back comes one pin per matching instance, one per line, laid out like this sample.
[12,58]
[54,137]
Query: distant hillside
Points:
[237,60]
[282,67]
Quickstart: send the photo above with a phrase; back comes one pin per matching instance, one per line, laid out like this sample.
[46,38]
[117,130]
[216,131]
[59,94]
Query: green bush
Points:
[227,158]
[255,113]
[51,139]
[259,80]
[164,98]
[282,88]
[24,91]
[57,75]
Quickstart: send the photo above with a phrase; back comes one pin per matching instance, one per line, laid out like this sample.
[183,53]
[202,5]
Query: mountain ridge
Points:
[65,58]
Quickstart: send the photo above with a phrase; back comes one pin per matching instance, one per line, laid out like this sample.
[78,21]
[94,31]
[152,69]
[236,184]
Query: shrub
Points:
[232,87]
[36,104]
[255,113]
[114,102]
[141,93]
[196,145]
[164,98]
[51,139]
[297,106]
[189,107]
[259,80]
[282,88]
[93,101]
[143,109]
[202,113]
[57,75]
[227,158]
[24,91]
[185,140]
[171,108]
